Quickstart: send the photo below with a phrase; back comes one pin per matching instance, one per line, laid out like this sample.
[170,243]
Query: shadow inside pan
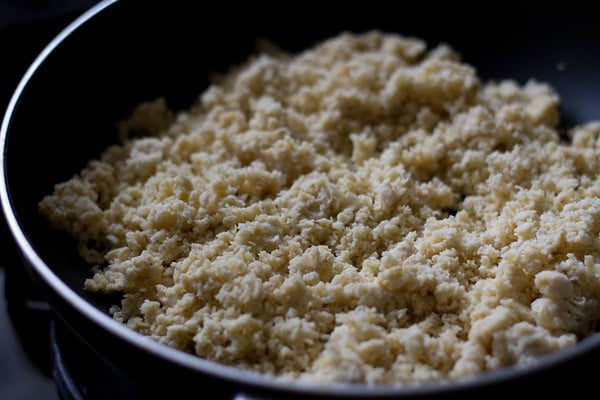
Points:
[129,54]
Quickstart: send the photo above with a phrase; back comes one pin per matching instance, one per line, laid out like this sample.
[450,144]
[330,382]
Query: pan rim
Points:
[211,368]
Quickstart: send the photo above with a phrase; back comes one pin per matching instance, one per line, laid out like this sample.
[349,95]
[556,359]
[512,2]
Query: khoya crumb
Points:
[365,211]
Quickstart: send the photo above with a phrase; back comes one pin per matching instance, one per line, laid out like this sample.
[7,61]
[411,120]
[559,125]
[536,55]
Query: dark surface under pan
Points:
[135,52]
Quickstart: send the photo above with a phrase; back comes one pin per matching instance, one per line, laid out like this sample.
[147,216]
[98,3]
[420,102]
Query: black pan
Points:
[117,55]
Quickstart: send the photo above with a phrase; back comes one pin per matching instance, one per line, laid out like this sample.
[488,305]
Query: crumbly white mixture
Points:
[365,211]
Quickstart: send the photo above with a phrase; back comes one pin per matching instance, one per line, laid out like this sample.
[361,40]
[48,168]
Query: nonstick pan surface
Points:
[118,55]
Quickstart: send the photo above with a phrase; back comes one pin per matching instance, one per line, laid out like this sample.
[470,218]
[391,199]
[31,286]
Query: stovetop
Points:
[24,367]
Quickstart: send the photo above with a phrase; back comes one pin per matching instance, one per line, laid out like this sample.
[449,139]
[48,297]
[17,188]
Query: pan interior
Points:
[68,111]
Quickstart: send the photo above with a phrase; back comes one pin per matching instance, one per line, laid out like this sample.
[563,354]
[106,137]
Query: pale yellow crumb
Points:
[365,211]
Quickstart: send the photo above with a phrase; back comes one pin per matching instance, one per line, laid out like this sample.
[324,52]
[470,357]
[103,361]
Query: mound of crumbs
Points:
[365,211]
